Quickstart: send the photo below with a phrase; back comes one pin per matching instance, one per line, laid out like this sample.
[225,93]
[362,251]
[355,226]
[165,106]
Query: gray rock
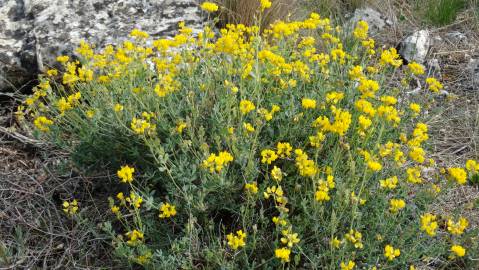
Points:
[375,19]
[37,31]
[416,46]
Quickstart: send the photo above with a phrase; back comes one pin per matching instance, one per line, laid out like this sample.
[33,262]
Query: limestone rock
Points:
[416,46]
[37,31]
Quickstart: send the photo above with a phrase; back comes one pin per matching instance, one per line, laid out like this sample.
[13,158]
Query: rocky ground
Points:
[34,233]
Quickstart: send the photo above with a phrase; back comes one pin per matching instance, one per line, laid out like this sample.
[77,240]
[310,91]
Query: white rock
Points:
[416,46]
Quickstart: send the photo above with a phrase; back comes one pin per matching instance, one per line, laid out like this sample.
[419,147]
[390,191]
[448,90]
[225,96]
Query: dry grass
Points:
[34,231]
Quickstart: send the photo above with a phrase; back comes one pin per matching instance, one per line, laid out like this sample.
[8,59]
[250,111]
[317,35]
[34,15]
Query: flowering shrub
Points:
[257,148]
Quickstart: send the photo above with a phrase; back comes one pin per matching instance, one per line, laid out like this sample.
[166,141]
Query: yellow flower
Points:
[374,166]
[308,103]
[284,149]
[289,238]
[251,187]
[167,210]
[52,72]
[134,200]
[334,97]
[434,85]
[458,250]
[355,237]
[180,127]
[63,59]
[248,127]
[391,57]
[317,140]
[368,88]
[429,224]
[70,208]
[347,266]
[43,123]
[126,174]
[279,221]
[335,242]
[390,252]
[415,68]
[137,33]
[390,183]
[356,73]
[215,163]
[246,106]
[209,7]
[236,241]
[389,100]
[458,174]
[265,4]
[415,108]
[396,204]
[63,105]
[268,156]
[417,154]
[457,228]
[143,125]
[118,108]
[414,175]
[361,30]
[306,166]
[90,114]
[282,254]
[277,174]
[135,237]
[472,166]
[115,209]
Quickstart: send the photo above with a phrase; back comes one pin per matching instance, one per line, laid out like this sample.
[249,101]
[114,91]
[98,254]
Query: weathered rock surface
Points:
[34,32]
[416,46]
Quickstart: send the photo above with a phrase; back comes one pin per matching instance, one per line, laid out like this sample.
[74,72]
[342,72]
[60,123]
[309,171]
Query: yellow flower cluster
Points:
[458,174]
[429,224]
[135,237]
[236,241]
[70,208]
[126,174]
[390,252]
[396,205]
[434,85]
[216,163]
[143,125]
[43,123]
[167,210]
[458,227]
[209,6]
